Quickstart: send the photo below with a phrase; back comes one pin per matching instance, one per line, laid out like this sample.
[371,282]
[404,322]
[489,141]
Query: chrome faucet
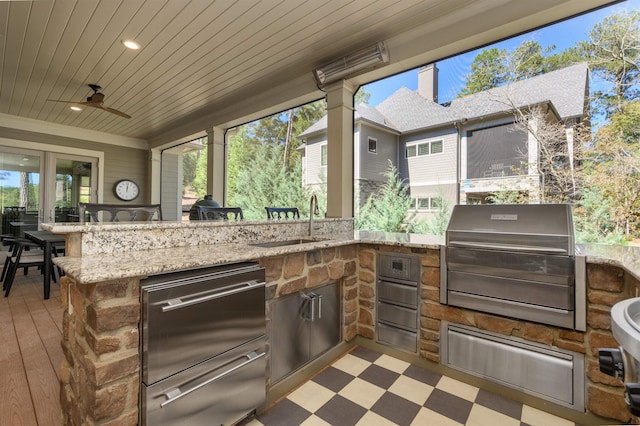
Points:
[313,210]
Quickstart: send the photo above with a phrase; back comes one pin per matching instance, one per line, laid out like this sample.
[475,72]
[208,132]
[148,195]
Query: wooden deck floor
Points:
[30,353]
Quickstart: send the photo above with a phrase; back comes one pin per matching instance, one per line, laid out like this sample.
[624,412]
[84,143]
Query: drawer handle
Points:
[180,303]
[175,393]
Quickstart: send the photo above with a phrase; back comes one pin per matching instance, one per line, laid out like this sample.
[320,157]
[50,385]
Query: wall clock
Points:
[126,190]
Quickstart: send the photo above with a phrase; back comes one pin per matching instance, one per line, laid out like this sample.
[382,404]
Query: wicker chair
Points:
[118,212]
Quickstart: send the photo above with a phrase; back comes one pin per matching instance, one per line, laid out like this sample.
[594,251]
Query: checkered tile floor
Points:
[368,388]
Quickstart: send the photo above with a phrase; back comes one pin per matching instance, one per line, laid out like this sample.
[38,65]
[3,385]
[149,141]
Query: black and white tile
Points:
[365,387]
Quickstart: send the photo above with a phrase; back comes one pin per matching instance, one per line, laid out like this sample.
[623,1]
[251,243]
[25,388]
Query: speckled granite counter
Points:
[107,251]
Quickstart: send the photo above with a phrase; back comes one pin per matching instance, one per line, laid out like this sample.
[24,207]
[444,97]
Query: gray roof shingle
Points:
[405,110]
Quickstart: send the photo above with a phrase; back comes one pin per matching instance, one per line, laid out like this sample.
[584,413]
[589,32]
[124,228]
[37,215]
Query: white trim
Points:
[422,142]
[438,182]
[58,149]
[39,126]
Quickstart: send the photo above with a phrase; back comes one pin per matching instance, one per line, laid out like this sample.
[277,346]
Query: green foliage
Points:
[267,183]
[199,183]
[189,162]
[592,221]
[613,52]
[361,96]
[386,210]
[488,70]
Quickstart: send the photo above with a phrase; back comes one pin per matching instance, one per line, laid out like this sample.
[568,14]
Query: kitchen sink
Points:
[292,242]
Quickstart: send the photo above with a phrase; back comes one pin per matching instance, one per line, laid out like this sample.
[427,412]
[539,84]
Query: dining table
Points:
[47,241]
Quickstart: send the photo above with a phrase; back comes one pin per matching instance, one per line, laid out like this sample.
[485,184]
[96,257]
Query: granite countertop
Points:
[110,266]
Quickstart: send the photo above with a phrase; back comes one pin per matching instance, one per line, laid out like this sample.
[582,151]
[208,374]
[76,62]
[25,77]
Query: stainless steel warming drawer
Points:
[516,261]
[397,300]
[203,345]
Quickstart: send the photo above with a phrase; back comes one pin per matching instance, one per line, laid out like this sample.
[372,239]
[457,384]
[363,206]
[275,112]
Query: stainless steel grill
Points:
[515,260]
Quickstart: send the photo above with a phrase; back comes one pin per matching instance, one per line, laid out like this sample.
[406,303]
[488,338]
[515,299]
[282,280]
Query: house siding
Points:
[171,187]
[315,174]
[372,166]
[434,168]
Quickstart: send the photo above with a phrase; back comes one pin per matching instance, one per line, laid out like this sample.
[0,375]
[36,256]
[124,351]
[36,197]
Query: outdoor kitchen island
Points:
[100,377]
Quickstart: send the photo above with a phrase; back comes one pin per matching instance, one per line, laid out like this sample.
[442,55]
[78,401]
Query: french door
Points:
[41,186]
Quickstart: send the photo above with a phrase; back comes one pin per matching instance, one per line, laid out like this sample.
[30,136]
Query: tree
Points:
[488,70]
[386,209]
[613,52]
[267,183]
[614,167]
[361,96]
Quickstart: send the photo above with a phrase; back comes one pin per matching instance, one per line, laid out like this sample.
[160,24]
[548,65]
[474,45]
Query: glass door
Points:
[71,180]
[20,190]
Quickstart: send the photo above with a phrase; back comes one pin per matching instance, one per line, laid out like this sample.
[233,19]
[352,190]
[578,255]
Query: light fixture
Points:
[75,108]
[130,44]
[348,65]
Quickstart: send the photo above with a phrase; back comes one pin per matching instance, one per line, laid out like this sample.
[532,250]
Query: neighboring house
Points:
[461,150]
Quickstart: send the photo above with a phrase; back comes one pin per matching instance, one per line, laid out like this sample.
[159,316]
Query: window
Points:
[373,145]
[422,203]
[436,147]
[323,155]
[423,148]
[428,203]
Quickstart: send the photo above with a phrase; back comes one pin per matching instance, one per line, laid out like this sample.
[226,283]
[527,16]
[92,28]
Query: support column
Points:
[340,150]
[215,164]
[155,176]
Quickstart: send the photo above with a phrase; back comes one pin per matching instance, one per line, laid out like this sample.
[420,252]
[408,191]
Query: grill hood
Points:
[540,228]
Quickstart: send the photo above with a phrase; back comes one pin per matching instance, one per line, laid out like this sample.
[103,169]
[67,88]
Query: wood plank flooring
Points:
[30,353]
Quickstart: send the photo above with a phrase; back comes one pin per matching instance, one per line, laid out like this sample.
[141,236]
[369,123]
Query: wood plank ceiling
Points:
[198,57]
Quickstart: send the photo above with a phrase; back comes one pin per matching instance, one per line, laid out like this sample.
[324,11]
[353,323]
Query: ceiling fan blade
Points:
[66,102]
[111,110]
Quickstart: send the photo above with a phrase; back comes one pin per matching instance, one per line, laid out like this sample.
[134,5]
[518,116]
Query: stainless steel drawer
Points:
[398,316]
[399,338]
[188,319]
[403,294]
[509,289]
[547,268]
[235,378]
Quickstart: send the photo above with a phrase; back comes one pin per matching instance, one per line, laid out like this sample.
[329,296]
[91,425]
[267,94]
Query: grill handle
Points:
[528,249]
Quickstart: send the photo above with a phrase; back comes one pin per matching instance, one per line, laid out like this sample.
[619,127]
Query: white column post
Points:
[340,149]
[215,164]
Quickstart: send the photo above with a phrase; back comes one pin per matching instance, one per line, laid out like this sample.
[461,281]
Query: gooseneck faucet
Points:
[313,210]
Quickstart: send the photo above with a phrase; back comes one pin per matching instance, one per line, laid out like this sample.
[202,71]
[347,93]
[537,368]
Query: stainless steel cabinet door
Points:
[325,328]
[289,335]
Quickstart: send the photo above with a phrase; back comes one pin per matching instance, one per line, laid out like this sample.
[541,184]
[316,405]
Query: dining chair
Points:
[282,213]
[219,213]
[25,258]
[118,212]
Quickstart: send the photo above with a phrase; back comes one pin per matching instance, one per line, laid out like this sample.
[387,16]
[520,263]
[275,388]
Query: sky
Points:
[452,72]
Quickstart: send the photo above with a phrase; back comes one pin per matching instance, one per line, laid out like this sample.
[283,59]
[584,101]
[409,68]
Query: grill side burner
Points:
[517,261]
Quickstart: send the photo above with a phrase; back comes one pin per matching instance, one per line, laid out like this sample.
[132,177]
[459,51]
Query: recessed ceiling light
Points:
[75,108]
[130,44]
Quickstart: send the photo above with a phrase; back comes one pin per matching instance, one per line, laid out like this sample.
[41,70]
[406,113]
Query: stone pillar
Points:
[606,286]
[340,149]
[215,163]
[100,374]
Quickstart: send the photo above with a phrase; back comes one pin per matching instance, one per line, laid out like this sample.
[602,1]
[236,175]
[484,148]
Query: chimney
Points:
[428,82]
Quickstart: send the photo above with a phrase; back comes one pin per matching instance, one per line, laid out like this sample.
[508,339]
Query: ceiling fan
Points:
[95,101]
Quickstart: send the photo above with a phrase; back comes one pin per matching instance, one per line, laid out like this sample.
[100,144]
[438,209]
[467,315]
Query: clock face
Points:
[126,190]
